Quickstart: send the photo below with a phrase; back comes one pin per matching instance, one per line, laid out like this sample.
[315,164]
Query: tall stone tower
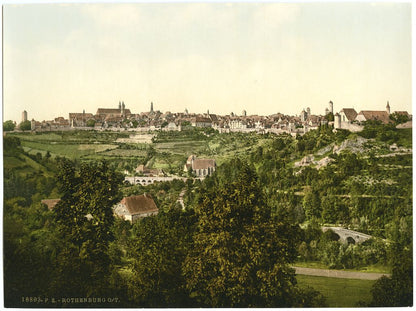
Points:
[331,107]
[388,107]
[122,109]
[308,111]
[24,116]
[151,107]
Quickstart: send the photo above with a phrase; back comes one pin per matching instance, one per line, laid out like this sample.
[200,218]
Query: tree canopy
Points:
[240,255]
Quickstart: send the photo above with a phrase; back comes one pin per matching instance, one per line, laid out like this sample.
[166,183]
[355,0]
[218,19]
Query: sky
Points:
[264,58]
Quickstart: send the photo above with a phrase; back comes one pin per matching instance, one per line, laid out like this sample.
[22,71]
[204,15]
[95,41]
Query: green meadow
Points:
[346,293]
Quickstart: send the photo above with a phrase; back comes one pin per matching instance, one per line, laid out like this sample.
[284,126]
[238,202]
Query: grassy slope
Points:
[339,292]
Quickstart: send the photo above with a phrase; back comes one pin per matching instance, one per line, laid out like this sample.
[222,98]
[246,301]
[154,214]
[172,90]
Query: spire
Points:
[151,107]
[388,107]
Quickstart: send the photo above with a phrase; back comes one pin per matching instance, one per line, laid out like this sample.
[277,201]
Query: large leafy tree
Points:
[240,256]
[8,126]
[25,125]
[84,217]
[159,247]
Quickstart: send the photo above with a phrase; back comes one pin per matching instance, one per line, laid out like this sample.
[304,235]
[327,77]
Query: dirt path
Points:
[339,273]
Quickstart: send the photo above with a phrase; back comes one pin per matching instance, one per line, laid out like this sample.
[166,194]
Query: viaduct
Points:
[348,236]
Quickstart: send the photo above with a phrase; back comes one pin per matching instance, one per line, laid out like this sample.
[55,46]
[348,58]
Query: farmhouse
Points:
[135,207]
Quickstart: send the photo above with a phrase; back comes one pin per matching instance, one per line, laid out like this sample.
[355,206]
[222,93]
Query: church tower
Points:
[151,107]
[388,107]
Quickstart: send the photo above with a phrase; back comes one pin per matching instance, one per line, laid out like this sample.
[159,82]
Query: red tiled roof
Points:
[140,204]
[382,116]
[202,163]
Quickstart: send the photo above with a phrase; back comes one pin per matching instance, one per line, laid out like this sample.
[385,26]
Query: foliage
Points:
[399,118]
[8,126]
[91,123]
[159,247]
[240,254]
[25,125]
[397,290]
[84,217]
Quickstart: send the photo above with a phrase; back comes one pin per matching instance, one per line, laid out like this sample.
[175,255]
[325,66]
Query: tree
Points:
[312,204]
[91,123]
[397,290]
[240,255]
[159,247]
[84,217]
[25,125]
[8,126]
[399,118]
[329,117]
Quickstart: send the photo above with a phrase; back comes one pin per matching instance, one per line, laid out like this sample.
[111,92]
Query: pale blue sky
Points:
[263,58]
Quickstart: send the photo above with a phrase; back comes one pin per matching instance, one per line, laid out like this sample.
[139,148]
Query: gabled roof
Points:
[140,204]
[350,113]
[202,163]
[382,116]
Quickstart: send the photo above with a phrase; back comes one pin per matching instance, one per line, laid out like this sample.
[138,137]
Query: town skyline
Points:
[223,57]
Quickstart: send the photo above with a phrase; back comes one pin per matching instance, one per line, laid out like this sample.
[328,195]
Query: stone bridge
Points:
[147,180]
[348,236]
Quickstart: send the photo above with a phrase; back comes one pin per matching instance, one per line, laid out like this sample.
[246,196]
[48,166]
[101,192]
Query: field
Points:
[168,151]
[339,292]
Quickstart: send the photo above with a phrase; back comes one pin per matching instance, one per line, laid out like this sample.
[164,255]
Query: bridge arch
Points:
[348,236]
[350,240]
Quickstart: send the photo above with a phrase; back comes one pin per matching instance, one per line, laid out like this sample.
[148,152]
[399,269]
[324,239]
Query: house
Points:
[50,203]
[200,167]
[345,120]
[141,169]
[172,127]
[135,207]
[202,122]
[348,114]
[79,119]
